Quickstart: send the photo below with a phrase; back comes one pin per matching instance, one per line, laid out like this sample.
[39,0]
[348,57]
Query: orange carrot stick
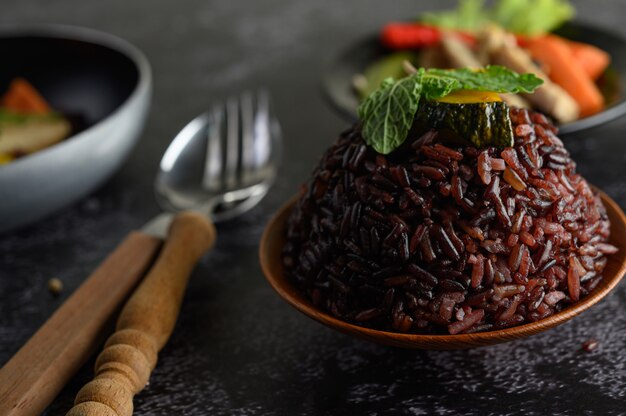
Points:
[593,59]
[565,70]
[22,97]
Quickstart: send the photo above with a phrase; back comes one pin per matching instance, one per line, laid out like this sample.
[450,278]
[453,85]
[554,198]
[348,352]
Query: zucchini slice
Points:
[480,117]
[32,134]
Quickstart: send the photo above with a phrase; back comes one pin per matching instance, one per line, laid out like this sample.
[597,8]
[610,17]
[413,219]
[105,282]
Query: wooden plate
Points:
[270,257]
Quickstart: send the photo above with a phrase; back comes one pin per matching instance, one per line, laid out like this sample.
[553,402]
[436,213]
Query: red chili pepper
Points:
[416,35]
[409,35]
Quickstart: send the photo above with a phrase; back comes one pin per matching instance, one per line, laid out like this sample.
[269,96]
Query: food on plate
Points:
[550,98]
[445,211]
[27,122]
[515,34]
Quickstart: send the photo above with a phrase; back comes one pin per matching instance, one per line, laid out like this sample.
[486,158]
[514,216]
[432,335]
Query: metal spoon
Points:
[219,166]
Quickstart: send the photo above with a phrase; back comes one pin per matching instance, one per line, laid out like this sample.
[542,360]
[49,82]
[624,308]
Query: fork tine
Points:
[212,178]
[247,135]
[233,151]
[239,144]
[262,141]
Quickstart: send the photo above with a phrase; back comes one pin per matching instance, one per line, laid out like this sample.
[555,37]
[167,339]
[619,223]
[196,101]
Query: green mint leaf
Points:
[435,87]
[388,113]
[492,78]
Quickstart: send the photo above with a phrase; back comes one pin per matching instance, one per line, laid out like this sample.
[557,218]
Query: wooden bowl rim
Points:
[291,295]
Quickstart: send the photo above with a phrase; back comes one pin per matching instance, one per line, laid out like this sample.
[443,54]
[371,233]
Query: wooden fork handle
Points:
[31,379]
[123,368]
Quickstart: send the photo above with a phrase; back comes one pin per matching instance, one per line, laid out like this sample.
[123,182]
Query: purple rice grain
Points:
[441,238]
[590,345]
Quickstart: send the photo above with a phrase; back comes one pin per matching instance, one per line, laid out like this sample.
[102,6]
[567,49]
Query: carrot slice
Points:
[22,97]
[593,59]
[554,52]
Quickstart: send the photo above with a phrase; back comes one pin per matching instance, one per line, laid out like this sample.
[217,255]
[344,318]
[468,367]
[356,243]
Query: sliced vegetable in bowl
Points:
[513,34]
[582,82]
[101,85]
[27,122]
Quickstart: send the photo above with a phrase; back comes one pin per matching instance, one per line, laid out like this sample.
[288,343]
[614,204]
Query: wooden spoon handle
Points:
[146,322]
[31,379]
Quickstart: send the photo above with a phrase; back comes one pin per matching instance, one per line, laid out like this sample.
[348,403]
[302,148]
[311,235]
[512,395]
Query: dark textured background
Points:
[238,349]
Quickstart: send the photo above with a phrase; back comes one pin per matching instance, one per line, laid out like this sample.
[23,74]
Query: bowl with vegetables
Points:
[582,67]
[73,102]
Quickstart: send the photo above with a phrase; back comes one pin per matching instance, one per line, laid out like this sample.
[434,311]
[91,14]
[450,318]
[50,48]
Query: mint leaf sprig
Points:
[388,113]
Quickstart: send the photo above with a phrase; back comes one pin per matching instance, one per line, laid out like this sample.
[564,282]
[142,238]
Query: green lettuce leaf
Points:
[525,17]
[469,15]
[532,17]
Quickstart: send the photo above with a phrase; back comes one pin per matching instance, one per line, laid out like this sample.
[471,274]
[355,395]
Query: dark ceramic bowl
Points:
[100,80]
[337,81]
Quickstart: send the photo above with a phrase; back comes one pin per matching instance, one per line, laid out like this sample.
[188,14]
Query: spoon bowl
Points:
[270,256]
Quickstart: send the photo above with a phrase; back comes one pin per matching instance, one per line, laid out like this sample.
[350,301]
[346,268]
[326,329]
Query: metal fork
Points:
[224,161]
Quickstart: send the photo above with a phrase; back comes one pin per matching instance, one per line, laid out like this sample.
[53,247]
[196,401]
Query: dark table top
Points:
[238,349]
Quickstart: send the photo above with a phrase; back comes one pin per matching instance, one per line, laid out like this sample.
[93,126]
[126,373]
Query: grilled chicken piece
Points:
[502,49]
[490,39]
[458,53]
[461,56]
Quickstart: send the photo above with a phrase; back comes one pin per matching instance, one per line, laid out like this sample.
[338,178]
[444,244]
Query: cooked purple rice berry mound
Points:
[444,238]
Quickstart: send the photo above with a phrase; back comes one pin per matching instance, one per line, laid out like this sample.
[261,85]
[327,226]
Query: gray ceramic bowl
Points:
[102,80]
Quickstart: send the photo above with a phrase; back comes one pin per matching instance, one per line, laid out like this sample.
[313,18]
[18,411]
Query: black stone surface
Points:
[238,349]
